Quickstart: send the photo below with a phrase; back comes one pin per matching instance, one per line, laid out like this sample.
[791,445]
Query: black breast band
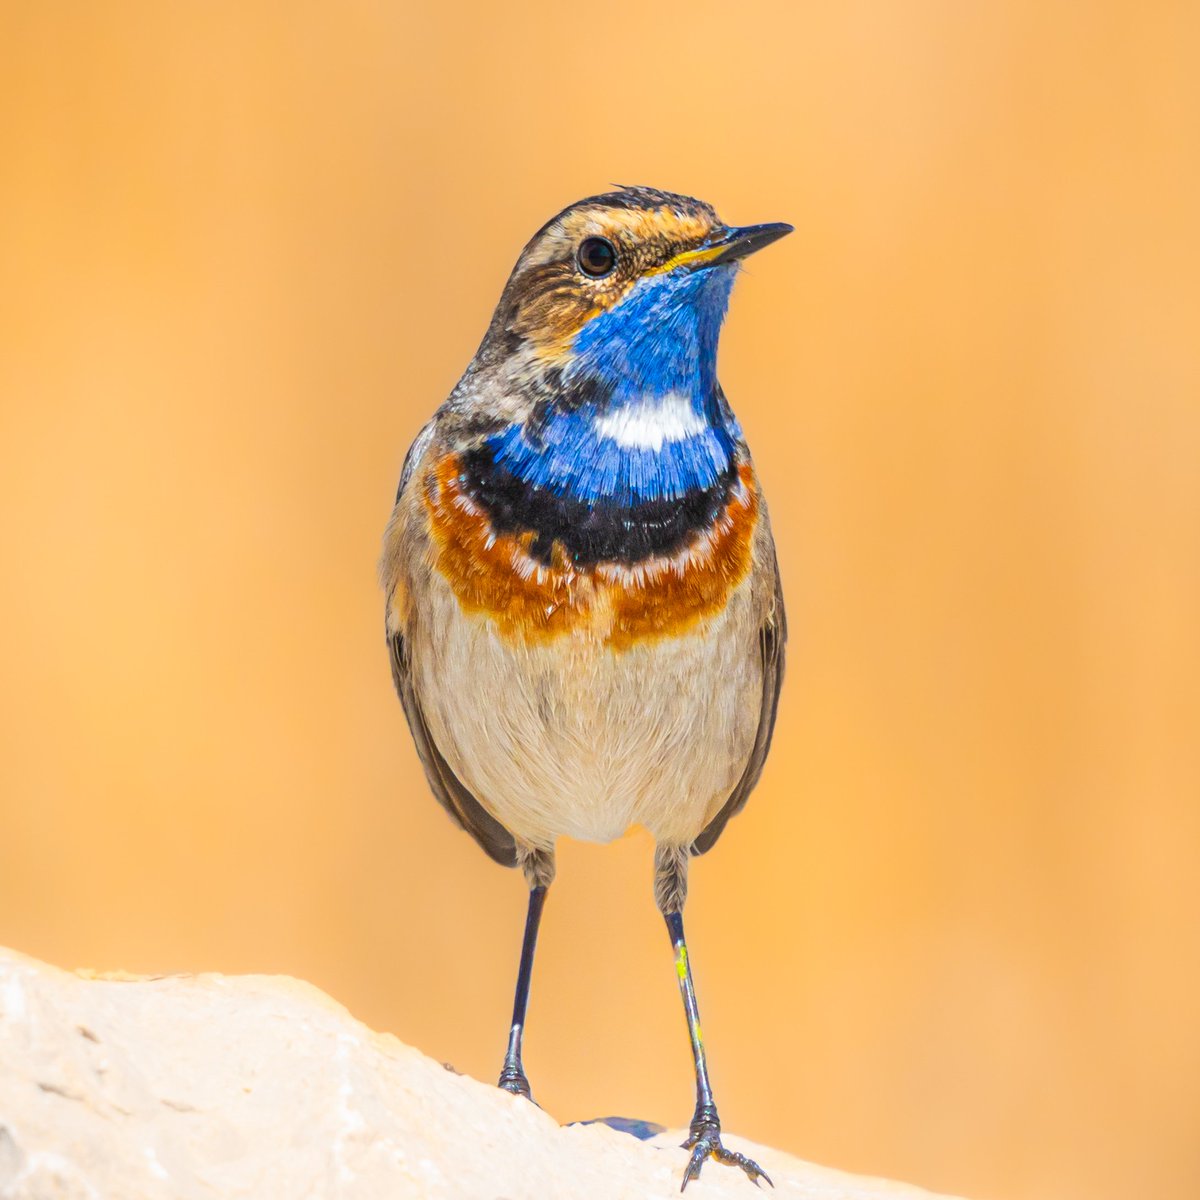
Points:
[590,531]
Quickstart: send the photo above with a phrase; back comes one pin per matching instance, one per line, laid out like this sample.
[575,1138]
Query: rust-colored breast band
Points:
[620,604]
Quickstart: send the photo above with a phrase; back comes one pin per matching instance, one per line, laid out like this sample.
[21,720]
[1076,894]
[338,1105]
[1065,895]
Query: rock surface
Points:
[206,1086]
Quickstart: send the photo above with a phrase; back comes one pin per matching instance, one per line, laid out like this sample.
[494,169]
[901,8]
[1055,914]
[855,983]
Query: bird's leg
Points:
[704,1139]
[538,866]
[512,1076]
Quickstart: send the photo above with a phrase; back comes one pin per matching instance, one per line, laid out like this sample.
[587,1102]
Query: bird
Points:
[583,606]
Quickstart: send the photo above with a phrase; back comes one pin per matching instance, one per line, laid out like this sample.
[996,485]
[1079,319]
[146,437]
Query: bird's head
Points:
[599,367]
[631,286]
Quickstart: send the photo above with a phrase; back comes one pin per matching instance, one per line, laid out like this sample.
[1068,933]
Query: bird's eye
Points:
[597,257]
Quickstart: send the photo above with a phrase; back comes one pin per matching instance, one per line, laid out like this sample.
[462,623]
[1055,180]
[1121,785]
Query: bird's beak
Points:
[738,242]
[728,245]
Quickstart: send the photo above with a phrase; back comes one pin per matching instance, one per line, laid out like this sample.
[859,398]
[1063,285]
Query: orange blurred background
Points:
[247,248]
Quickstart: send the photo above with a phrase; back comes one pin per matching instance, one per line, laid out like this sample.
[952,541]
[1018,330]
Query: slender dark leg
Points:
[704,1139]
[539,870]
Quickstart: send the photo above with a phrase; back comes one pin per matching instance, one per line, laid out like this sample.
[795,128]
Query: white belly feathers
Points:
[569,738]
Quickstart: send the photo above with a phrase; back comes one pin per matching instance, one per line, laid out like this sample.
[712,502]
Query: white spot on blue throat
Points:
[652,422]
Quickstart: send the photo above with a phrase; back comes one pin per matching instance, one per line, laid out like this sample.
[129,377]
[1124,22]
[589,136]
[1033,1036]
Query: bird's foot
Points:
[513,1079]
[704,1142]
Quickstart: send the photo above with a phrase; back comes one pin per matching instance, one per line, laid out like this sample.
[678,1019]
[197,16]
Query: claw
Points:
[705,1143]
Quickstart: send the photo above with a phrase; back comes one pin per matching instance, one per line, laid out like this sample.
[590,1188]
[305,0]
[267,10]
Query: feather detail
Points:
[621,604]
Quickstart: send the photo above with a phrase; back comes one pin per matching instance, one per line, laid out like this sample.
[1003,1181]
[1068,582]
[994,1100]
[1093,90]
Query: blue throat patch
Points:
[651,424]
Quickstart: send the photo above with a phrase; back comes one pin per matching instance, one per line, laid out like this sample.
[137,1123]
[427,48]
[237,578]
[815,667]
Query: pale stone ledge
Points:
[210,1087]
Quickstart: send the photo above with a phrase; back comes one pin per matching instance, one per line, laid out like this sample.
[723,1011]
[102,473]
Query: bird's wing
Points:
[451,792]
[772,635]
[416,452]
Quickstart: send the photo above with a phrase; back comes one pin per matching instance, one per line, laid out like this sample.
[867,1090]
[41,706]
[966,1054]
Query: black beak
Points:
[739,241]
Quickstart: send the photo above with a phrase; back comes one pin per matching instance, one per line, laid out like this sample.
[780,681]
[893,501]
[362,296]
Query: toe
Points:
[708,1145]
[700,1152]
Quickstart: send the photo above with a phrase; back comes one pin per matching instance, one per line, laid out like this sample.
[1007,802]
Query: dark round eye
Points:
[596,257]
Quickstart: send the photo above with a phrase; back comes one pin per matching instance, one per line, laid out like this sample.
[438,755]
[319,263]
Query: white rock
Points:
[207,1087]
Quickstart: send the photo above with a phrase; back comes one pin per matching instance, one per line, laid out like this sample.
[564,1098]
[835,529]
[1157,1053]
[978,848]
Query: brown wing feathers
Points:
[771,639]
[447,787]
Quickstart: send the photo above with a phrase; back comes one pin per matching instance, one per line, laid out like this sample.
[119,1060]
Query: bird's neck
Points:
[634,413]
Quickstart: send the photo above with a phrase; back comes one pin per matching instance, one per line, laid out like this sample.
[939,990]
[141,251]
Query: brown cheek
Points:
[553,307]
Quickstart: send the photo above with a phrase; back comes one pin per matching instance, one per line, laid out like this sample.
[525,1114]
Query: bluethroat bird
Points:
[583,604]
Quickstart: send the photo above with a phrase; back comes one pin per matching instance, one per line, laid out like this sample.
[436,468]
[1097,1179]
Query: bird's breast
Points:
[519,562]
